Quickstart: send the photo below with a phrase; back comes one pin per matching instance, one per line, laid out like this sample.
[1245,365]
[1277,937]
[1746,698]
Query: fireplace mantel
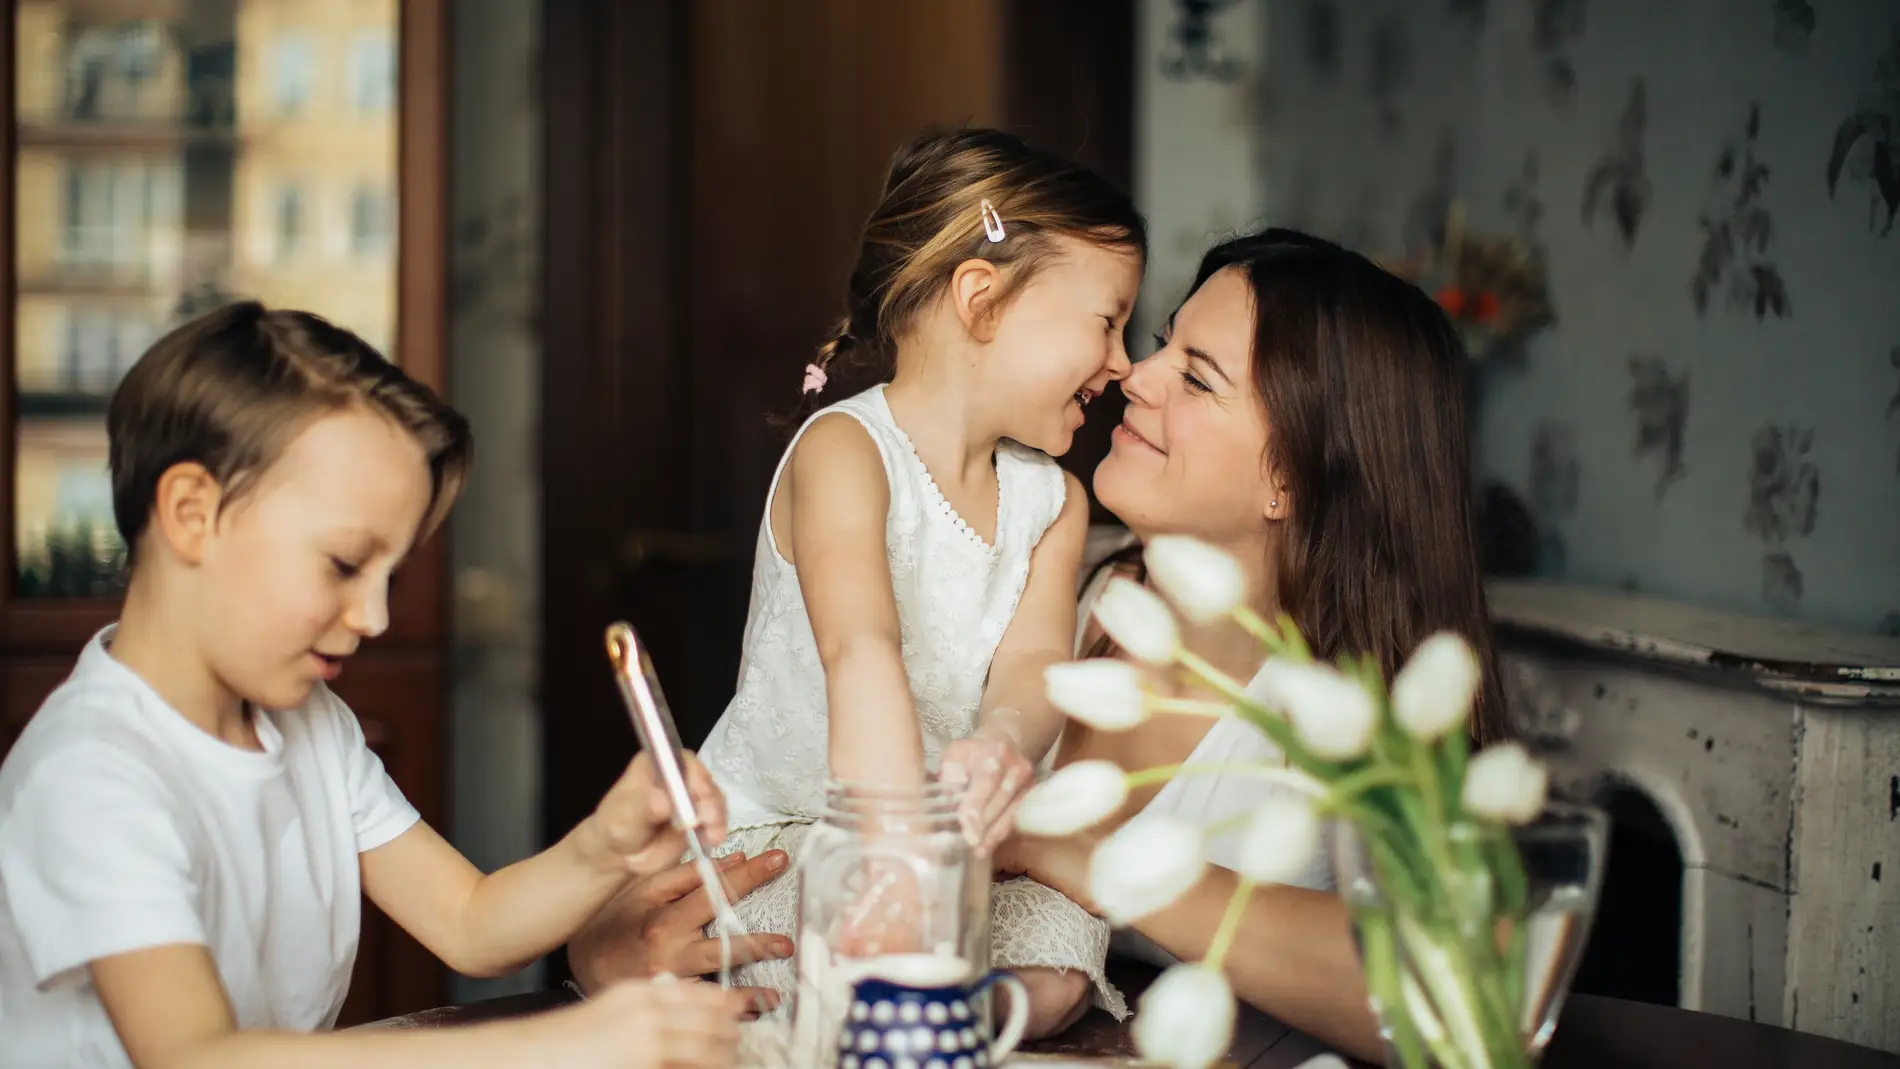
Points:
[1772,750]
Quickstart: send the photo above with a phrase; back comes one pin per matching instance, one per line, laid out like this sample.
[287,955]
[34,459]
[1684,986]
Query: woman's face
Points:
[1190,454]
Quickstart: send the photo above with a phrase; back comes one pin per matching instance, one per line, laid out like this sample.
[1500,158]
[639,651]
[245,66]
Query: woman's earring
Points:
[1274,504]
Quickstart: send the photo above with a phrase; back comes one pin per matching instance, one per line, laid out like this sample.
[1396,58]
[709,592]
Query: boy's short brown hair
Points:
[231,389]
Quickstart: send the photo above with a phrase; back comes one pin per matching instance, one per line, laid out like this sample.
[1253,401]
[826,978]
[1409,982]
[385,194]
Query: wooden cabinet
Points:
[163,157]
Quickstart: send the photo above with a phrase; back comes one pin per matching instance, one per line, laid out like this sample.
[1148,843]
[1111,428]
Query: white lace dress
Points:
[955,595]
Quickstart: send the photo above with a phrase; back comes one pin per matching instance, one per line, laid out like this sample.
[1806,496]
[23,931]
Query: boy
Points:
[186,825]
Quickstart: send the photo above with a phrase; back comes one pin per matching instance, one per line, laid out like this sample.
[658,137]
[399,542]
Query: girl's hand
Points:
[994,775]
[632,828]
[662,1024]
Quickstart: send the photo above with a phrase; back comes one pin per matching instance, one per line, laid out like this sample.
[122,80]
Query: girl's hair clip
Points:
[992,222]
[814,379]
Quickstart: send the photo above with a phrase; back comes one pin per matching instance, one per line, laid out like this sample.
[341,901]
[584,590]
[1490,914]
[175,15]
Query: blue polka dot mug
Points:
[919,1011]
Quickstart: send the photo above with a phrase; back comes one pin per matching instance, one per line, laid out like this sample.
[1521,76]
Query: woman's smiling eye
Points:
[1194,383]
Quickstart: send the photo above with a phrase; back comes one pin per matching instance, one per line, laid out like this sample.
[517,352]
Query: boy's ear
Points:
[974,287]
[185,510]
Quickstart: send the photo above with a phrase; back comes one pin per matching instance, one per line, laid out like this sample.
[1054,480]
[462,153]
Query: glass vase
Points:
[1469,948]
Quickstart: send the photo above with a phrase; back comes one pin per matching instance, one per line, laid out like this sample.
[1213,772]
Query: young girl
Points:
[988,301]
[190,823]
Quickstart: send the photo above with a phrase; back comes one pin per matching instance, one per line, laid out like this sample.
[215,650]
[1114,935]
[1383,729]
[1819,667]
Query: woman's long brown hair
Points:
[1362,379]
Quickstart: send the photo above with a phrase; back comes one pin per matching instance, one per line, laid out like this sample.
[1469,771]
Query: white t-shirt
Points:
[124,827]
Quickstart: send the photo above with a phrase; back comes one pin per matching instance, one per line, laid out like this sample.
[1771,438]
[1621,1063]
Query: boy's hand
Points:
[994,776]
[632,828]
[662,1024]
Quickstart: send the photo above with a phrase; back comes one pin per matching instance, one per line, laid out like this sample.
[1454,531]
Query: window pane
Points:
[172,158]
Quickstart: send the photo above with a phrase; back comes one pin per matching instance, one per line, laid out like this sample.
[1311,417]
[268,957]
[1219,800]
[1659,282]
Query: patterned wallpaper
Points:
[1712,185]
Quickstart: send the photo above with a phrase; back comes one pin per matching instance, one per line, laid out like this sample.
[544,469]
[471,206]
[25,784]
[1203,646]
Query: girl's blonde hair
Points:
[931,218]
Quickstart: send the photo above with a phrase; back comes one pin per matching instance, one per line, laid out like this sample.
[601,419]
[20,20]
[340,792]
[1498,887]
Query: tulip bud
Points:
[1144,866]
[1433,693]
[1279,839]
[1078,796]
[1203,582]
[1504,782]
[1186,1018]
[1138,620]
[1334,715]
[1103,693]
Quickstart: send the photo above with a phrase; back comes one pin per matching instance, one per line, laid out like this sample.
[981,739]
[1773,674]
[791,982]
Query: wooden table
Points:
[1595,1033]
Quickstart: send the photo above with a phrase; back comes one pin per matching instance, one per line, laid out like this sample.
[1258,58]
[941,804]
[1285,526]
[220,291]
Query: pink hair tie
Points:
[814,379]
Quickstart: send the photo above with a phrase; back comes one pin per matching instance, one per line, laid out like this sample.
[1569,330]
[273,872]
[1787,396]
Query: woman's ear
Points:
[974,287]
[1279,503]
[185,510]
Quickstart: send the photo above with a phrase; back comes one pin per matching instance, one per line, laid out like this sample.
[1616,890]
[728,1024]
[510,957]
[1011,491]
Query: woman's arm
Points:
[657,925]
[1292,956]
[839,497]
[169,1008]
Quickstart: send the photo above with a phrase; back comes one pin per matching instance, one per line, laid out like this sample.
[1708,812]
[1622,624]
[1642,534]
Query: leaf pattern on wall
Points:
[1619,182]
[1893,406]
[1660,402]
[1737,231]
[1784,487]
[1319,31]
[1781,583]
[1555,26]
[1784,492]
[1794,26]
[1874,129]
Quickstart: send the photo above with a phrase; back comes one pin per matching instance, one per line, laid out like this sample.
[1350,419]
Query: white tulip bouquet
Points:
[1443,945]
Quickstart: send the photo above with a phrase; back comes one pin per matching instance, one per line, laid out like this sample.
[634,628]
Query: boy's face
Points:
[296,572]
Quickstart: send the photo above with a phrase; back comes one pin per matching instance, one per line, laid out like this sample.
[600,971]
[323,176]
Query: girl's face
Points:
[1189,456]
[1058,342]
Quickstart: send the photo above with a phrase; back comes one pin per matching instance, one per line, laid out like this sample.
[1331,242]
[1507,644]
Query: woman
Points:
[1305,412]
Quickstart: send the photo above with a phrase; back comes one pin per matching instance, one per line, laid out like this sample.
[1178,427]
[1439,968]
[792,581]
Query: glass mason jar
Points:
[886,875]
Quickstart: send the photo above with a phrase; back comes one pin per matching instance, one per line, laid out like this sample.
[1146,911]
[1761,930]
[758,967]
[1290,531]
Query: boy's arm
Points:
[840,498]
[491,925]
[169,1009]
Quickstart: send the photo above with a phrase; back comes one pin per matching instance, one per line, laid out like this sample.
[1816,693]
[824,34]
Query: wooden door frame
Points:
[614,99]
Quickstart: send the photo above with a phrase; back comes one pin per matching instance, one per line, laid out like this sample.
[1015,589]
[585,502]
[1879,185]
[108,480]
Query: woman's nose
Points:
[1145,381]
